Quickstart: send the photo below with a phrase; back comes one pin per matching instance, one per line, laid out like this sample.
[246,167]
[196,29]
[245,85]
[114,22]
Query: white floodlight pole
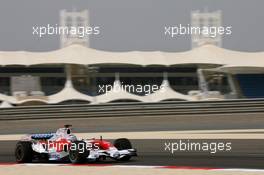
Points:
[203,86]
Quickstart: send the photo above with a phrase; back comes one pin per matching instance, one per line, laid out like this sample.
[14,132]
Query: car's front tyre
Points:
[78,153]
[123,144]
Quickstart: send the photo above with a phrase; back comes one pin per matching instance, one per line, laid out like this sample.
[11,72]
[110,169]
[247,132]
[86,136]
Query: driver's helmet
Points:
[63,131]
[66,132]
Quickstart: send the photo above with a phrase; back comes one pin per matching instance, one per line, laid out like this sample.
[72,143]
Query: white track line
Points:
[188,134]
[142,166]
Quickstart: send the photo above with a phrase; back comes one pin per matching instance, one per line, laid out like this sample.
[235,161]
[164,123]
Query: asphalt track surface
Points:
[162,159]
[138,123]
[149,123]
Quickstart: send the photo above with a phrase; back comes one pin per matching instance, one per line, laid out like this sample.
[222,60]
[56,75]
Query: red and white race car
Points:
[64,146]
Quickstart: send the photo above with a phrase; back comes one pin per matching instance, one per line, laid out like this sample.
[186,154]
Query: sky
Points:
[128,25]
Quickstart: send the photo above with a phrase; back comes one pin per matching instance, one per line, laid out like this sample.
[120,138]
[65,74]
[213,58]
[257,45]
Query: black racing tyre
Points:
[23,152]
[122,144]
[80,154]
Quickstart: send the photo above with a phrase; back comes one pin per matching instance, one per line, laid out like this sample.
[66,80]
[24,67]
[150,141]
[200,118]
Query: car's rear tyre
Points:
[23,152]
[122,144]
[78,153]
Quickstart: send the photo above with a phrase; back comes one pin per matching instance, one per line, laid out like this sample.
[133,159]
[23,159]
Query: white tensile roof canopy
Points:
[78,54]
[227,61]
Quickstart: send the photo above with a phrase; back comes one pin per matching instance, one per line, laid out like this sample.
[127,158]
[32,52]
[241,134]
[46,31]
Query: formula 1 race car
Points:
[64,146]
